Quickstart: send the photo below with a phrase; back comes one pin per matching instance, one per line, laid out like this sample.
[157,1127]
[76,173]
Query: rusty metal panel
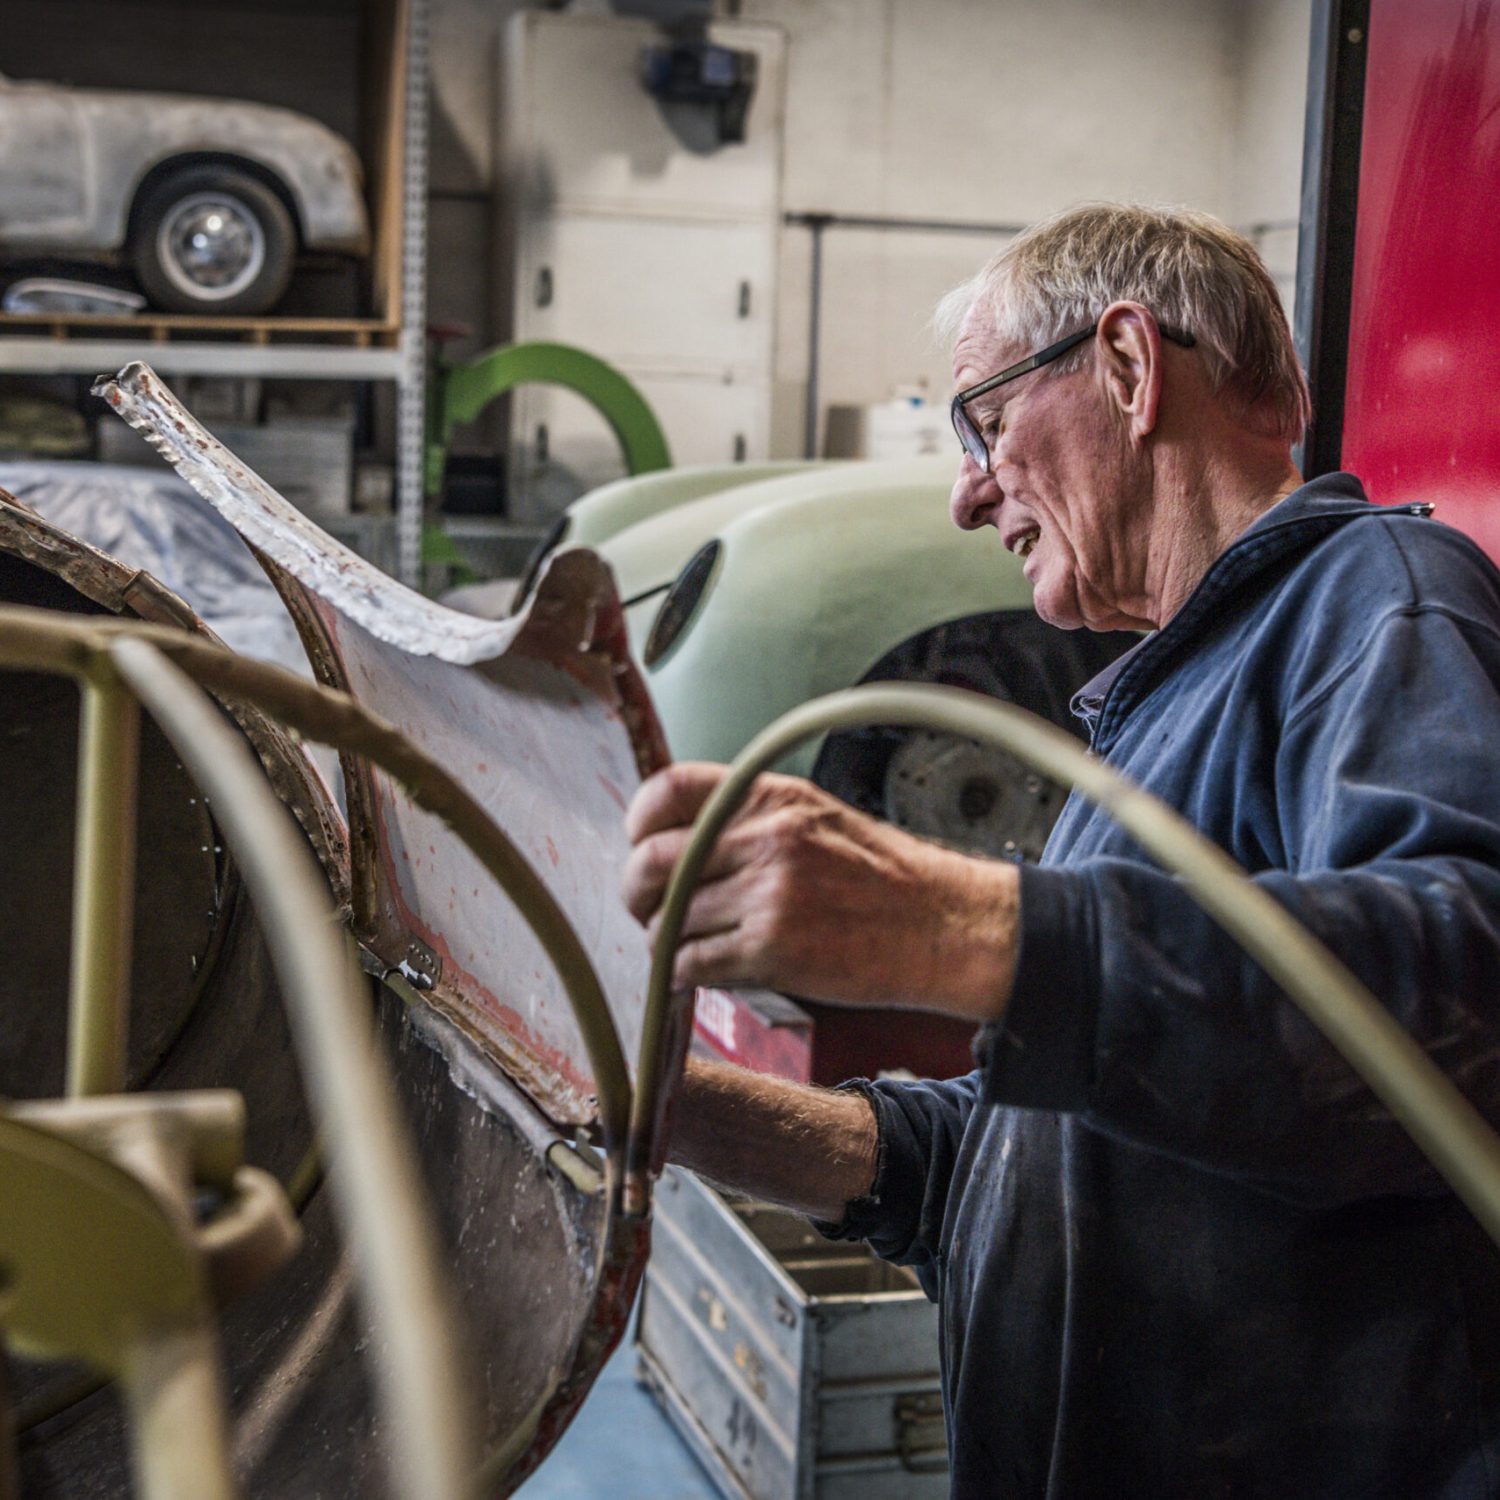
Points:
[545,1265]
[543,719]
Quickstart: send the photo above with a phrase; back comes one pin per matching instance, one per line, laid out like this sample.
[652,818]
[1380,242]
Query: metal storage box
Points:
[793,1366]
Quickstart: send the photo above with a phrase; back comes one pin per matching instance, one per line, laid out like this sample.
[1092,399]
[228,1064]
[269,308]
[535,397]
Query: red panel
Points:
[812,1043]
[757,1029]
[851,1042]
[1422,410]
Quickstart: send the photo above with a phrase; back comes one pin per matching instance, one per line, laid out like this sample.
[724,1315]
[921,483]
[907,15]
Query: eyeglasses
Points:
[963,424]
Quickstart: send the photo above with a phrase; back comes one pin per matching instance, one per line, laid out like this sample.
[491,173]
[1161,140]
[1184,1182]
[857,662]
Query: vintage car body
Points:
[516,1125]
[81,169]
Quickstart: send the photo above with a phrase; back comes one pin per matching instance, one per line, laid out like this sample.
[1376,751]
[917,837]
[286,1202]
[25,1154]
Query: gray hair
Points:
[1191,270]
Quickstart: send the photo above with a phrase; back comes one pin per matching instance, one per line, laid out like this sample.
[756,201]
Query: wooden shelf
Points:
[161,328]
[26,354]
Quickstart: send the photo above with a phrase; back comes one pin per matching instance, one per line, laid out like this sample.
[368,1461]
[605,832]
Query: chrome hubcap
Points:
[970,796]
[211,246]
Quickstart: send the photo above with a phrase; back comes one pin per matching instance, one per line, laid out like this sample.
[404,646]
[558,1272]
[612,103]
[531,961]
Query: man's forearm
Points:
[808,1148]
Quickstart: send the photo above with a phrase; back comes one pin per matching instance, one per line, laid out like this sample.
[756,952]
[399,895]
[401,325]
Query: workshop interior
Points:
[422,421]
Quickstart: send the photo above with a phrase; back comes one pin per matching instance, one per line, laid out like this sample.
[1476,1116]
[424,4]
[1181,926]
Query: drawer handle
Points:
[921,1433]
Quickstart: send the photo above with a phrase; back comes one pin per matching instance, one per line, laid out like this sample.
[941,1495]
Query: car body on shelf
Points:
[208,201]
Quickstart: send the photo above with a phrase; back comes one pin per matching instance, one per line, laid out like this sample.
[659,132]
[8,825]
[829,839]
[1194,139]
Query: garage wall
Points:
[992,110]
[1269,44]
[1003,111]
[464,46]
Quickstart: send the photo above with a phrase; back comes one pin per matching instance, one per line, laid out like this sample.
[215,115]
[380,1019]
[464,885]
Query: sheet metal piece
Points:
[543,718]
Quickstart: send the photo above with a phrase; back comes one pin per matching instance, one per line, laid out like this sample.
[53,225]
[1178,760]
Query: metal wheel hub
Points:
[211,246]
[977,799]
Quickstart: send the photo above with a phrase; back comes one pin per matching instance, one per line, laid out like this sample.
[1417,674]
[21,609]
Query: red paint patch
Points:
[553,855]
[615,794]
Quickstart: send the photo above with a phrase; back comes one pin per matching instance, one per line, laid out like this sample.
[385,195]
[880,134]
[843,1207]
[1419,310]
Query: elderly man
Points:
[1180,1251]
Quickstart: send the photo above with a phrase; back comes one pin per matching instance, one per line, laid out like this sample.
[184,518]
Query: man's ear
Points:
[1130,359]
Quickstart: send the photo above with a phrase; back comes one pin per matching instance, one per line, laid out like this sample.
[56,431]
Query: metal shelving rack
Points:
[411,379]
[405,363]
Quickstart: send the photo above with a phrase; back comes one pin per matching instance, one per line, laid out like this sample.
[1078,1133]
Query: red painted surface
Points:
[771,1038]
[1422,408]
[812,1043]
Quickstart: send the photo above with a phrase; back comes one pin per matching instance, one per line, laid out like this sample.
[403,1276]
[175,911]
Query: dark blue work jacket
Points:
[1181,1251]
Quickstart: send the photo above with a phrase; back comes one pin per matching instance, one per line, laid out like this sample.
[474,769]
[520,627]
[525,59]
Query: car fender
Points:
[647,556]
[806,595]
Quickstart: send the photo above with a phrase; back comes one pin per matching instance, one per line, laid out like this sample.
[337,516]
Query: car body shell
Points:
[608,510]
[820,573]
[72,162]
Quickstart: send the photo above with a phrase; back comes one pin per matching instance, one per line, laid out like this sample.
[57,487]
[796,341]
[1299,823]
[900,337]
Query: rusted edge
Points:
[624,1244]
[620,1278]
[359,795]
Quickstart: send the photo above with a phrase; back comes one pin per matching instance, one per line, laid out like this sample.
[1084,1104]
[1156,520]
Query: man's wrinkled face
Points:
[1058,485]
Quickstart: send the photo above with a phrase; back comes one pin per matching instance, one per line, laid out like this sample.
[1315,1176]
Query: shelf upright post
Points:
[412,380]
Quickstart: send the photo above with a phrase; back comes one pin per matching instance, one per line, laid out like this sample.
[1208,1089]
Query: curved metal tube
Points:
[465,390]
[432,1442]
[1458,1141]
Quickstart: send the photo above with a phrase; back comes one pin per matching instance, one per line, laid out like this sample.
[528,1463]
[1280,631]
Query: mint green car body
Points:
[822,570]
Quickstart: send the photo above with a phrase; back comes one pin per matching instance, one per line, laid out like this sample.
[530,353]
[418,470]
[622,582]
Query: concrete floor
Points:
[621,1447]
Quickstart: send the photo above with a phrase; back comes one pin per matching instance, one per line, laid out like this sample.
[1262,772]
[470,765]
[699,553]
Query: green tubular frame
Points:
[389,1227]
[1460,1144]
[159,666]
[103,888]
[464,391]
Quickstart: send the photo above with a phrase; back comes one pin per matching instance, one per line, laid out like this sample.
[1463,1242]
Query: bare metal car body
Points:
[74,161]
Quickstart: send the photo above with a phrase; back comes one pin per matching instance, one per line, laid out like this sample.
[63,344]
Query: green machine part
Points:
[462,392]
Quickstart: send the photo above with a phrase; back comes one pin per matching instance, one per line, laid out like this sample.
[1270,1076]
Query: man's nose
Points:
[975,497]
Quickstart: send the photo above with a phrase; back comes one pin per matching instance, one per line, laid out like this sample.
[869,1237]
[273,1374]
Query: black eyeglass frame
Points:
[968,434]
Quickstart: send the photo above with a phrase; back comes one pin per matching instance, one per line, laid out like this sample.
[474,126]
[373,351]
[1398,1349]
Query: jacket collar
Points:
[1304,517]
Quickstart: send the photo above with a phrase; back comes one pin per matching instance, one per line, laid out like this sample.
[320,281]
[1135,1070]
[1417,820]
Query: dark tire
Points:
[212,239]
[943,787]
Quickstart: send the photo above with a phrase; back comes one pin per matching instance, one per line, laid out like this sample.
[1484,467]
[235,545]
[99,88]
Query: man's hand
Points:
[804,894]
